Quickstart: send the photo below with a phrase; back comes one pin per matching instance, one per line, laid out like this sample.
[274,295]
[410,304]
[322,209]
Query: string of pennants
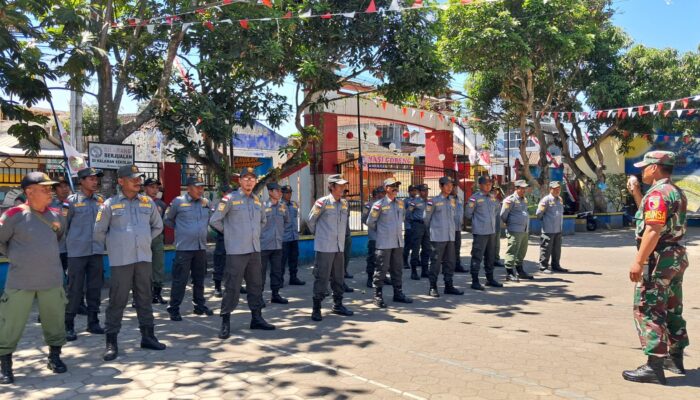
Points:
[666,108]
[179,19]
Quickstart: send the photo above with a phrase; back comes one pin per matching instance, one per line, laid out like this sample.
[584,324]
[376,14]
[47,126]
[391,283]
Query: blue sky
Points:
[653,23]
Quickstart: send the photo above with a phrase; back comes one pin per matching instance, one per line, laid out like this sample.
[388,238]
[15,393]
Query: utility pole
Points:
[507,153]
[76,120]
[359,150]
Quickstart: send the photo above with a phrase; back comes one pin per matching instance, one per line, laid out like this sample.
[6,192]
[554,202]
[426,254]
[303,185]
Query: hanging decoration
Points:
[349,135]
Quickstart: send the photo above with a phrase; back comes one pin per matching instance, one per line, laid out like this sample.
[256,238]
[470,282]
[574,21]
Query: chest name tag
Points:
[185,204]
[330,207]
[145,205]
[117,206]
[81,204]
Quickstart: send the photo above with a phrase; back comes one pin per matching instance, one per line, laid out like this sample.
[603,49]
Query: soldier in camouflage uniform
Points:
[658,297]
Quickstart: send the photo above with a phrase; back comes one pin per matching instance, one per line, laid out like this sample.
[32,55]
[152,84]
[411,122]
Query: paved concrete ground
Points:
[562,336]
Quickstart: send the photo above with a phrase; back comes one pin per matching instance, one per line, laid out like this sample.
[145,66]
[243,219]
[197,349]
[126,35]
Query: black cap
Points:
[273,186]
[151,181]
[36,178]
[60,180]
[85,172]
[422,187]
[445,180]
[483,179]
[194,181]
[247,171]
[225,188]
[129,171]
[287,189]
[411,187]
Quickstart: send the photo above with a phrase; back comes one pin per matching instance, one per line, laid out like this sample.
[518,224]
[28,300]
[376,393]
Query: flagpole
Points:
[69,176]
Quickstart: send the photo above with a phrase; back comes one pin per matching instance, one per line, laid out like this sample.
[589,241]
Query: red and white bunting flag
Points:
[465,2]
[696,98]
[679,113]
[209,25]
[150,28]
[384,105]
[568,114]
[640,110]
[288,15]
[306,14]
[413,113]
[417,4]
[673,104]
[629,111]
[244,23]
[422,113]
[326,16]
[666,113]
[404,110]
[349,15]
[372,7]
[394,6]
[611,113]
[685,102]
[556,114]
[691,111]
[267,3]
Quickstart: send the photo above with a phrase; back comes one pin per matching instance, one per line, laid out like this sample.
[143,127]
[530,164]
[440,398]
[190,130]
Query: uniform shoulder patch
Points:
[226,198]
[13,211]
[655,209]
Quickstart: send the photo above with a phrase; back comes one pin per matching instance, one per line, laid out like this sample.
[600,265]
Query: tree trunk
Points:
[599,201]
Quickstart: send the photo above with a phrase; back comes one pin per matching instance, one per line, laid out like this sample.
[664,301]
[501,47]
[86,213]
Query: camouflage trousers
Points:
[658,303]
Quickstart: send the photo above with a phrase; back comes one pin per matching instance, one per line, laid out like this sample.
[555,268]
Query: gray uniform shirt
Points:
[80,224]
[62,206]
[459,214]
[371,233]
[276,217]
[439,216]
[127,228]
[405,206]
[29,239]
[291,227]
[514,213]
[551,211]
[240,218]
[481,209]
[386,217]
[328,221]
[415,209]
[190,219]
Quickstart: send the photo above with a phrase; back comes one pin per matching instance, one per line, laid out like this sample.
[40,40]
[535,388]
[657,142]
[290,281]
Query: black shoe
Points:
[522,274]
[174,314]
[414,275]
[651,372]
[560,270]
[293,280]
[461,269]
[348,276]
[400,297]
[449,289]
[94,325]
[157,296]
[339,308]
[243,290]
[491,281]
[277,299]
[225,331]
[111,349]
[258,322]
[316,311]
[347,289]
[55,363]
[203,310]
[369,282]
[6,375]
[433,292]
[149,340]
[476,285]
[217,289]
[379,298]
[70,331]
[674,363]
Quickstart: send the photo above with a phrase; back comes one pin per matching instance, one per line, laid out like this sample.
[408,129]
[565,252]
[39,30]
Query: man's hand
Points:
[636,271]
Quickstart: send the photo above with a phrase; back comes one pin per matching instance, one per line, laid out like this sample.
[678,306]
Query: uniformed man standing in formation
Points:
[459,216]
[189,216]
[127,223]
[420,236]
[551,211]
[347,248]
[29,235]
[386,217]
[497,193]
[658,297]
[151,187]
[481,209]
[60,202]
[272,234]
[377,194]
[407,233]
[240,217]
[85,265]
[219,257]
[290,241]
[514,213]
[328,220]
[439,219]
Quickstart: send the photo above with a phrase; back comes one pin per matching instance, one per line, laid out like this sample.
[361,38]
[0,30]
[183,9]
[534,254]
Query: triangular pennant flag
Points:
[585,115]
[440,117]
[444,7]
[422,113]
[431,116]
[556,115]
[209,25]
[288,15]
[394,6]
[305,15]
[244,24]
[633,114]
[372,7]
[666,113]
[640,109]
[685,102]
[226,21]
[465,2]
[655,113]
[384,105]
[413,113]
[696,98]
[611,113]
[267,3]
[660,106]
[673,104]
[453,119]
[150,28]
[326,16]
[679,113]
[227,2]
[404,110]
[691,111]
[629,110]
[186,26]
[568,114]
[417,4]
[350,15]
[620,113]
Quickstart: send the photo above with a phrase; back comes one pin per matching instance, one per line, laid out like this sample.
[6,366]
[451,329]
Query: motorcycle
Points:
[591,220]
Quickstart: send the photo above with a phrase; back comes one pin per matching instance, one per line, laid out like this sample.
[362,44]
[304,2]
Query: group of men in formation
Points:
[46,236]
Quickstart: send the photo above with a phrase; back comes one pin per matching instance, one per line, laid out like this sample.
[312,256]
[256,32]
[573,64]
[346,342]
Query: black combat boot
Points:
[258,322]
[217,289]
[316,310]
[55,364]
[450,289]
[174,313]
[111,349]
[460,268]
[6,375]
[158,295]
[225,331]
[559,269]
[293,280]
[522,274]
[149,340]
[370,281]
[400,297]
[379,298]
[347,289]
[203,310]
[651,372]
[94,324]
[414,274]
[433,291]
[674,362]
[348,275]
[491,281]
[276,298]
[476,285]
[510,275]
[243,290]
[339,308]
[70,328]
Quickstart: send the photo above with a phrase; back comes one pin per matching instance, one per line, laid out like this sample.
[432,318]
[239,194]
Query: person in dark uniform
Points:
[377,194]
[151,187]
[127,223]
[481,209]
[29,236]
[220,252]
[407,234]
[85,265]
[189,216]
[290,243]
[420,234]
[328,221]
[240,217]
[271,236]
